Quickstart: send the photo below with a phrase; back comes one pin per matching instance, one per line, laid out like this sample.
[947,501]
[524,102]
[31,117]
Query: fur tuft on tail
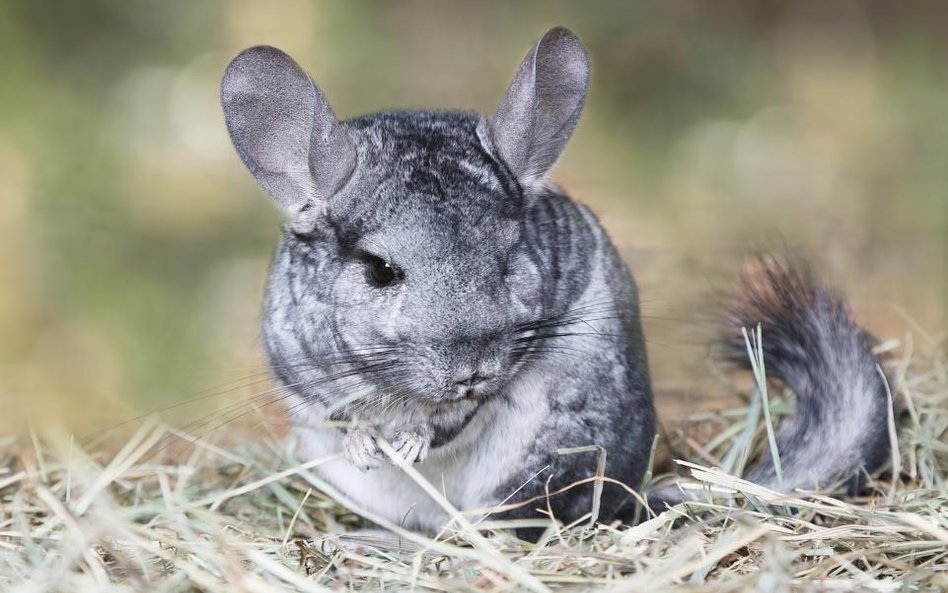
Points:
[811,343]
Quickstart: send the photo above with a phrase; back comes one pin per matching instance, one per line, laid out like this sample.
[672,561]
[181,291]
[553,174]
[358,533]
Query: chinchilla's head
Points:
[406,260]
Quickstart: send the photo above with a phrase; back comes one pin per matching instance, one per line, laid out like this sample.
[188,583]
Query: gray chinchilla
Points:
[432,289]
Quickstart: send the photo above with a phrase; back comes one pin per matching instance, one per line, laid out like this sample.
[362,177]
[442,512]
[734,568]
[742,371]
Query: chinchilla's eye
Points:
[380,272]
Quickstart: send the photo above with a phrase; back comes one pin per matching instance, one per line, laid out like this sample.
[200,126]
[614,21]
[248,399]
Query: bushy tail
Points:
[839,433]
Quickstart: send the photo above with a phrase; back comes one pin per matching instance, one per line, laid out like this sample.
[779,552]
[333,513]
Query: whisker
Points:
[540,337]
[238,410]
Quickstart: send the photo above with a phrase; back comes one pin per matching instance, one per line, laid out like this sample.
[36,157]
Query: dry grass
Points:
[250,518]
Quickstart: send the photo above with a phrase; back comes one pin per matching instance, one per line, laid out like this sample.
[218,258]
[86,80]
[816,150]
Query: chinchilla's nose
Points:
[468,379]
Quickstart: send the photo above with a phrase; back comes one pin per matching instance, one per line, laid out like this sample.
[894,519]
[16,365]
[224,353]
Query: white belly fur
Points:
[468,470]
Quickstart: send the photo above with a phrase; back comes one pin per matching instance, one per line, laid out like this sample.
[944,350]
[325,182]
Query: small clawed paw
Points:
[411,445]
[360,448]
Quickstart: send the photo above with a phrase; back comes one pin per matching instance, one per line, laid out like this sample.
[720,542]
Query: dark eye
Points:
[380,272]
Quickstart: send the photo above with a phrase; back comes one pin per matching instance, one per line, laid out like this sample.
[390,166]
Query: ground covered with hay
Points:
[153,515]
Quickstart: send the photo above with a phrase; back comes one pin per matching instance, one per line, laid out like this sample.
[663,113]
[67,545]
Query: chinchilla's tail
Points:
[810,342]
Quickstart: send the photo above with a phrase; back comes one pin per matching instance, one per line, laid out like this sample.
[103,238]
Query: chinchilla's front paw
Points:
[360,448]
[412,443]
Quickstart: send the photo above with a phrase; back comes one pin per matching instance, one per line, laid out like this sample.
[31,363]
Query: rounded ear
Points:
[542,105]
[284,130]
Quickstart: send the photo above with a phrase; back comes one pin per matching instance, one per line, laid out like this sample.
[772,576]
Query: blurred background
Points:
[134,246]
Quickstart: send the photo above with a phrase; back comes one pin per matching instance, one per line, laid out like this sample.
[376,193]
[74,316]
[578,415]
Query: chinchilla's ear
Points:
[284,130]
[542,105]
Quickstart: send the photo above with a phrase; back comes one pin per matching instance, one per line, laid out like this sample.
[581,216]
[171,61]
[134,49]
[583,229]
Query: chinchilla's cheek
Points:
[353,330]
[366,325]
[525,288]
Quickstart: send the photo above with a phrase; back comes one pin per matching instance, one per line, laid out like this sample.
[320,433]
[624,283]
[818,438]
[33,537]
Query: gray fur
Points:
[839,433]
[511,329]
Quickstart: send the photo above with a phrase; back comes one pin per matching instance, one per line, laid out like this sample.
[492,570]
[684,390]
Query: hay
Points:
[215,517]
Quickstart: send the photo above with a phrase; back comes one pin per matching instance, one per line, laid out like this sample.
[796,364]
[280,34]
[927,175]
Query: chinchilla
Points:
[433,290]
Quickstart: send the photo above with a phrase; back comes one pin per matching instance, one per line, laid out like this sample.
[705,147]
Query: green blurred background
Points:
[133,245]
